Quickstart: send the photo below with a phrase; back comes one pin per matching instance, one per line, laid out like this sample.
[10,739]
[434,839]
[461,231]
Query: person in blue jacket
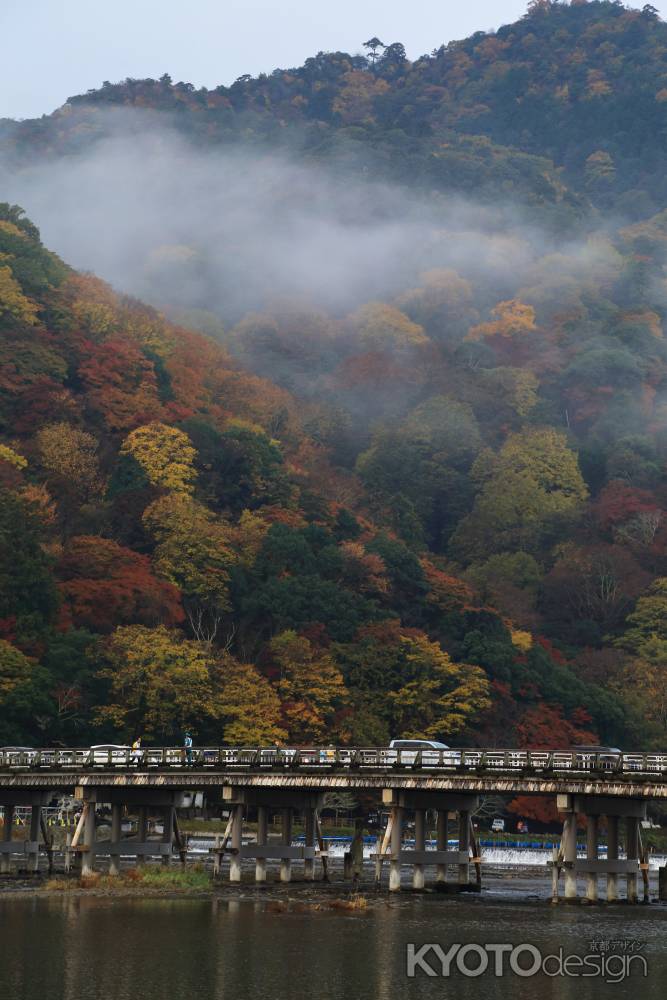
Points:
[187,743]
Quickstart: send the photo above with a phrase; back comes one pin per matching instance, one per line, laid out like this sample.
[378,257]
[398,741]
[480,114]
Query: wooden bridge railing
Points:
[602,763]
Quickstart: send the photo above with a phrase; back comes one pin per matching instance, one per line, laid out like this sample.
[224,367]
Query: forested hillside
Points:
[434,506]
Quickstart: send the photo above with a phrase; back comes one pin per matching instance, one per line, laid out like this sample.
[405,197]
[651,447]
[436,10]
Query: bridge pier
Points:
[287,801]
[442,823]
[163,801]
[402,801]
[30,846]
[612,856]
[396,820]
[309,830]
[262,837]
[632,854]
[592,807]
[6,842]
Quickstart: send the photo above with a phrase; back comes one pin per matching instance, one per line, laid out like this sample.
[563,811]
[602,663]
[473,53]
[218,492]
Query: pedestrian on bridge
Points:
[136,751]
[187,744]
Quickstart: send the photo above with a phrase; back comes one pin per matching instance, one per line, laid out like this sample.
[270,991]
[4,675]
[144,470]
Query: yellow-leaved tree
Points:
[511,318]
[193,548]
[165,454]
[158,683]
[441,696]
[311,687]
[13,303]
[249,705]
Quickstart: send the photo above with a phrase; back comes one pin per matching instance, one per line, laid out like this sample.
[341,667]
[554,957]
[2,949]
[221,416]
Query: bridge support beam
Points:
[286,829]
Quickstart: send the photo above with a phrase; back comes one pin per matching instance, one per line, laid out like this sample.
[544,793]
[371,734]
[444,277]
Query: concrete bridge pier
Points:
[418,802]
[592,855]
[570,852]
[442,823]
[420,845]
[6,841]
[30,847]
[592,866]
[286,830]
[632,854]
[164,802]
[396,820]
[142,833]
[262,836]
[464,844]
[612,856]
[286,801]
[309,829]
[116,833]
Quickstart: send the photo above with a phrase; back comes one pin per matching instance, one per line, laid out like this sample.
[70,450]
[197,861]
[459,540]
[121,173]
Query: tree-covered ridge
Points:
[178,548]
[565,107]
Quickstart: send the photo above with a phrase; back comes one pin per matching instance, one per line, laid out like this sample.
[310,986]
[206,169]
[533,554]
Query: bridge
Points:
[254,783]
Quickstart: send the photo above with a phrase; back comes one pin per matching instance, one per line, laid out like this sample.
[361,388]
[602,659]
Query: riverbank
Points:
[196,882]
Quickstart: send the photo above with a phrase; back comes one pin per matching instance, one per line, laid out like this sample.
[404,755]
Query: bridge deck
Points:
[637,775]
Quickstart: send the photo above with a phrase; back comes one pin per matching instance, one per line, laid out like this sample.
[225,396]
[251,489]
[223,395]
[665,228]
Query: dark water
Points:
[82,948]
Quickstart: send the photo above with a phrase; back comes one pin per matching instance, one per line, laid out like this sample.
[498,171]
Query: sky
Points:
[56,48]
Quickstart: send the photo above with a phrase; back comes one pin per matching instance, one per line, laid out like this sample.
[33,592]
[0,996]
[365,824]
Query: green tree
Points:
[532,486]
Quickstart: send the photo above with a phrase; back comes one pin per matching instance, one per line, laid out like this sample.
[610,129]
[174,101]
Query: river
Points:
[252,947]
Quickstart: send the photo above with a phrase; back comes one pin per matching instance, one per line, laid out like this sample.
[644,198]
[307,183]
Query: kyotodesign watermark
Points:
[612,961]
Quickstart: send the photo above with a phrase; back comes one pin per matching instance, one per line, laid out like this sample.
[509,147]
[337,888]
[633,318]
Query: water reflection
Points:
[80,948]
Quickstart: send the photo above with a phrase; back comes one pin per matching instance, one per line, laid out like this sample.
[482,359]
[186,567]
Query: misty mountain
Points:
[426,412]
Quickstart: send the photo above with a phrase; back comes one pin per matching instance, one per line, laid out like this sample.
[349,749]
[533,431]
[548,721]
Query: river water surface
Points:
[76,948]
